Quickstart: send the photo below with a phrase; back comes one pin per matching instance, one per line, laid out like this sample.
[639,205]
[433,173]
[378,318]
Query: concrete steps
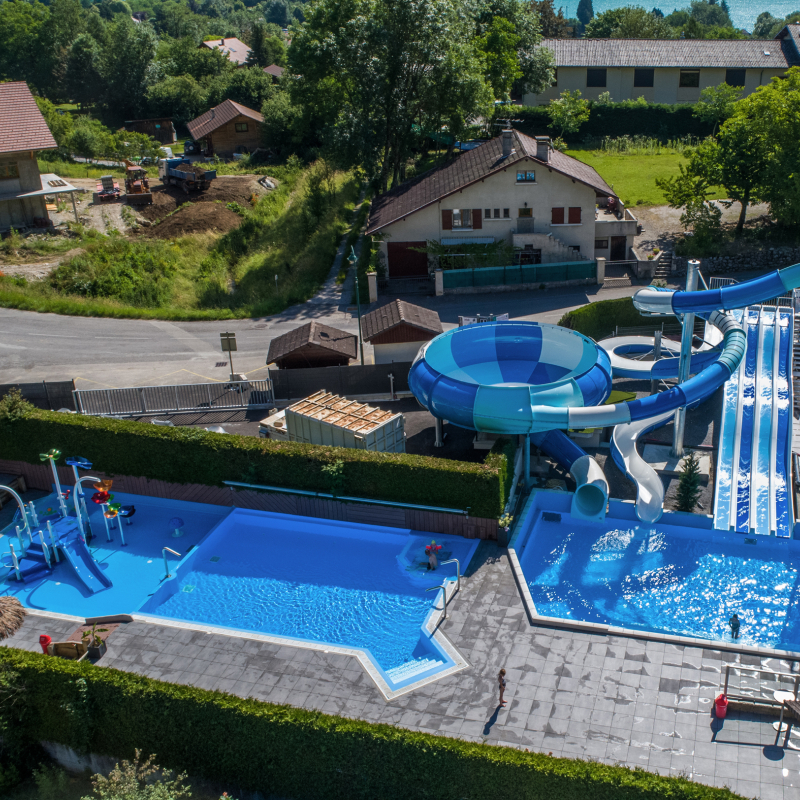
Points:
[412,668]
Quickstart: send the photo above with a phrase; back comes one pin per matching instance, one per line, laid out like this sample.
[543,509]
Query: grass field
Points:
[633,177]
[279,256]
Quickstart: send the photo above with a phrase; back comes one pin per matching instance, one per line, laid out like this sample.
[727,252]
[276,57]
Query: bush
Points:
[597,320]
[190,455]
[659,120]
[289,752]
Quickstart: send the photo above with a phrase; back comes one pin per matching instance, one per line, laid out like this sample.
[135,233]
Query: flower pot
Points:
[97,651]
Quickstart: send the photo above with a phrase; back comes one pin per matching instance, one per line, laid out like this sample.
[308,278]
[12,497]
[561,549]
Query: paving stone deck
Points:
[613,699]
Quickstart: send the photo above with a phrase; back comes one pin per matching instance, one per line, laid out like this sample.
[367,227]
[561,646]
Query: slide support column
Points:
[692,270]
[527,462]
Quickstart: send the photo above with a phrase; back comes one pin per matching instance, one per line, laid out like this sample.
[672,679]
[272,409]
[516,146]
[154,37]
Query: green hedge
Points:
[190,455]
[618,119]
[598,320]
[288,752]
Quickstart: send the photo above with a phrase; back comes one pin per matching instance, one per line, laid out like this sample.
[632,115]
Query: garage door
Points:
[405,261]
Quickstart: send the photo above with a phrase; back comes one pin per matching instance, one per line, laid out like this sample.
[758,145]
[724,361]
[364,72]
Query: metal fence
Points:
[294,384]
[50,395]
[175,399]
[515,275]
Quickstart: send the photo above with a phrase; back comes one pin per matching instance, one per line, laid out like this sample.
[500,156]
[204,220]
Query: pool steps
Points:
[412,668]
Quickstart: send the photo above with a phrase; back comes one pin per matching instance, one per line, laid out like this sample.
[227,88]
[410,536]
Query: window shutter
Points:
[574,215]
[447,219]
[477,222]
[557,216]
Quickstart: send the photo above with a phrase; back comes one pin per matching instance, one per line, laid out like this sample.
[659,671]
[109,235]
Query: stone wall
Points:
[767,259]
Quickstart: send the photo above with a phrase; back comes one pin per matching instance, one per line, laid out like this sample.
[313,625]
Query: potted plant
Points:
[97,647]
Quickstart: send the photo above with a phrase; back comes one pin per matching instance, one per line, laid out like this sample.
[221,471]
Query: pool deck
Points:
[579,695]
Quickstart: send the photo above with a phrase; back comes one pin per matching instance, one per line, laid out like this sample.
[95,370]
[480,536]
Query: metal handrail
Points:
[458,571]
[444,594]
[758,672]
[164,551]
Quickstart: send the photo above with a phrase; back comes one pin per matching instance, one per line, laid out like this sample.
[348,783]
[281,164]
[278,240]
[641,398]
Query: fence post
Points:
[47,396]
[600,270]
[438,277]
[372,282]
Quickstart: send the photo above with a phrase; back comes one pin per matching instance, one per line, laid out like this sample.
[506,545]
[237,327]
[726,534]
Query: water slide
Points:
[532,378]
[77,555]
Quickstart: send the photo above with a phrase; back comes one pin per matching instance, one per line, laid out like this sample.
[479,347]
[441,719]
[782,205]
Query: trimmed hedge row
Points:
[289,752]
[600,318]
[659,120]
[190,455]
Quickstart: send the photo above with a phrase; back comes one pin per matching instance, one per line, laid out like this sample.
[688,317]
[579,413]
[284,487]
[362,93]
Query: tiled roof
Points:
[22,126]
[790,34]
[274,70]
[313,333]
[236,51]
[399,312]
[468,168]
[219,116]
[685,53]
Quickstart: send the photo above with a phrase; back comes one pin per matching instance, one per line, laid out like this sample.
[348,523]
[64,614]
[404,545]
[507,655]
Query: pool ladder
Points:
[443,586]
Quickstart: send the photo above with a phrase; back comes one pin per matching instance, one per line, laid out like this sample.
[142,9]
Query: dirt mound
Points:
[195,218]
[228,188]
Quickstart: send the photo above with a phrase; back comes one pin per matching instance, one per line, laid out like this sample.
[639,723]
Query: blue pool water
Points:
[664,578]
[319,580]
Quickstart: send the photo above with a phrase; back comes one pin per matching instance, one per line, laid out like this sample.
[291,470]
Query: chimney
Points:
[508,142]
[212,113]
[543,148]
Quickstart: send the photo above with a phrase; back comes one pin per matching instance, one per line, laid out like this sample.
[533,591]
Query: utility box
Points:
[325,418]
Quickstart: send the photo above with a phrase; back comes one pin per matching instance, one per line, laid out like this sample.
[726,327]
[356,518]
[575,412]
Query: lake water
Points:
[743,14]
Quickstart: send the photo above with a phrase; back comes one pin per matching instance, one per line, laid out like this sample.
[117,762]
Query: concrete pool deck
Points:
[573,694]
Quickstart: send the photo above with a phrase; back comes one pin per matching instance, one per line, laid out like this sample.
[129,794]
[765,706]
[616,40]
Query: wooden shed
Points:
[227,129]
[313,345]
[397,330]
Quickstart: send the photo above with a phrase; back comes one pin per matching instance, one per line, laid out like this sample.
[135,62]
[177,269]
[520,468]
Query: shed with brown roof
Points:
[313,345]
[227,129]
[275,71]
[397,330]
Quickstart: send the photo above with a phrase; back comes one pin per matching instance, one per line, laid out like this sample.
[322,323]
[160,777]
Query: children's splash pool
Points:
[675,577]
[354,586]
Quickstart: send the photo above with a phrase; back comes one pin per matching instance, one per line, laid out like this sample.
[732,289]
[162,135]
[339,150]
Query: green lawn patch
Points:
[598,320]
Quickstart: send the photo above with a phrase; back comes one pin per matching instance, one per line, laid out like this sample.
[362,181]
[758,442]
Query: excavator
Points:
[137,185]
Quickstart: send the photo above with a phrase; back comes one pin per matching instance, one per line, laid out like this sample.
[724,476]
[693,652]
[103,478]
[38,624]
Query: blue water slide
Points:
[783,501]
[86,568]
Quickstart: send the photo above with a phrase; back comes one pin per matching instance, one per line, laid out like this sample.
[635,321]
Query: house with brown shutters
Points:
[550,207]
[397,330]
[666,70]
[313,345]
[227,129]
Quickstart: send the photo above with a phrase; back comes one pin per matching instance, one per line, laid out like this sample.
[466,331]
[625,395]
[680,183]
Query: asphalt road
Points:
[117,353]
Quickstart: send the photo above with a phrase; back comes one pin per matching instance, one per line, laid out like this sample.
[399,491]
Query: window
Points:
[526,177]
[497,213]
[462,218]
[596,77]
[506,213]
[643,78]
[575,215]
[690,79]
[487,213]
[601,244]
[576,248]
[735,77]
[8,169]
[557,216]
[525,212]
[241,127]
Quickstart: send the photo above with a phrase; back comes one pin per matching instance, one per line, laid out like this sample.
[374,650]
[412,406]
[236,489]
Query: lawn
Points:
[279,255]
[633,177]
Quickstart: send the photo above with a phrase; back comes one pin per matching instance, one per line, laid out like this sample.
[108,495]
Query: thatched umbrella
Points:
[12,615]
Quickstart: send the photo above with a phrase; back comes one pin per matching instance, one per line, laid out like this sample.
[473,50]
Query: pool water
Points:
[317,580]
[665,579]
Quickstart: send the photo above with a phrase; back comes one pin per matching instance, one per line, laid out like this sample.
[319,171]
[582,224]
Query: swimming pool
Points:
[675,577]
[317,580]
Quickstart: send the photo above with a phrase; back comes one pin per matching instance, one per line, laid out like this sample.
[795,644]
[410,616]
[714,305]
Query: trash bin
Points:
[45,640]
[721,704]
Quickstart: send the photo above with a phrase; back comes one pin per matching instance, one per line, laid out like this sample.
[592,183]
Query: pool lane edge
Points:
[431,625]
[599,628]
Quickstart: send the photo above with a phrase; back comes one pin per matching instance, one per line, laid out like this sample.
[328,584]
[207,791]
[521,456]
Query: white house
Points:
[513,188]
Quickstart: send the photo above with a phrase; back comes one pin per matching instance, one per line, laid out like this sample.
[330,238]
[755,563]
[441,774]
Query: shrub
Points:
[599,319]
[189,455]
[306,755]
